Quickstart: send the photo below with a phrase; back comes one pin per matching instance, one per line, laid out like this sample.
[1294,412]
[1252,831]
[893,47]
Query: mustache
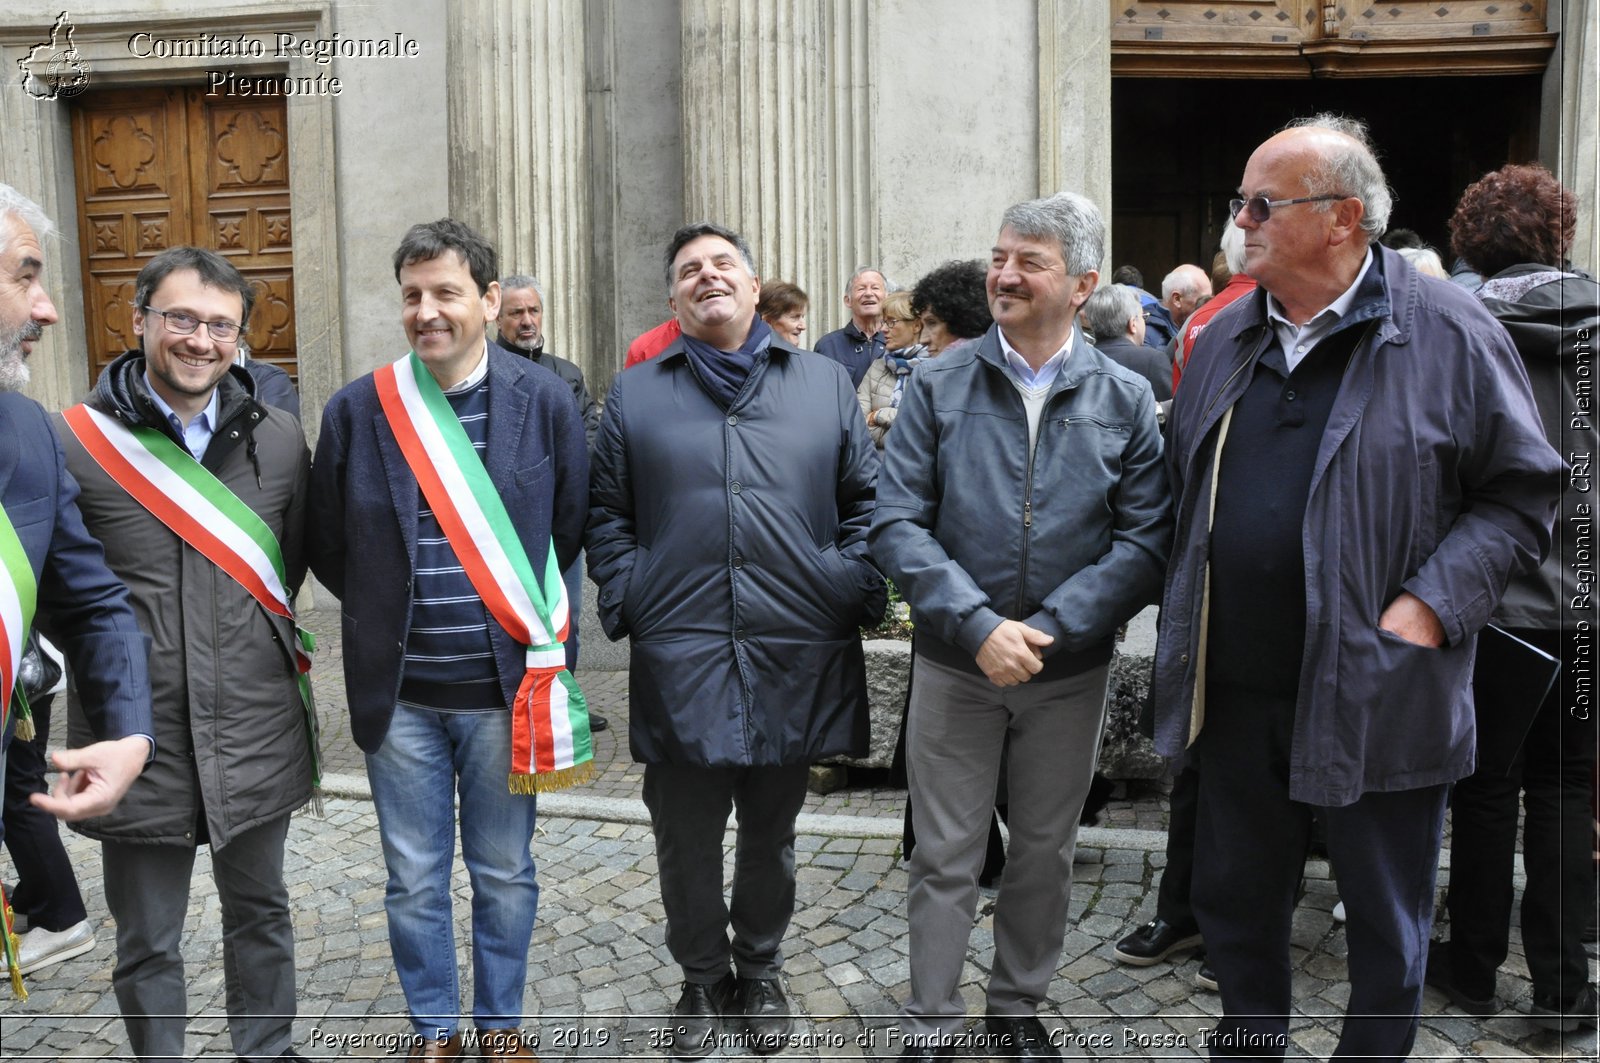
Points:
[30,332]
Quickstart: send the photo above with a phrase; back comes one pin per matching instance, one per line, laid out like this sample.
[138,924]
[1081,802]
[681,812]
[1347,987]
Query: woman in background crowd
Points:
[1515,228]
[880,390]
[953,305]
[783,306]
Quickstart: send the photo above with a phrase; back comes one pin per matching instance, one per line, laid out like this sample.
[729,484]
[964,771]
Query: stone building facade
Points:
[580,133]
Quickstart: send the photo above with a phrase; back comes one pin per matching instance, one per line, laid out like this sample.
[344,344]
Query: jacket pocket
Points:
[631,593]
[533,474]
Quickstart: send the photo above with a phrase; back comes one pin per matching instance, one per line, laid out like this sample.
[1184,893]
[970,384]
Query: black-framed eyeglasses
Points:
[1261,207]
[185,324]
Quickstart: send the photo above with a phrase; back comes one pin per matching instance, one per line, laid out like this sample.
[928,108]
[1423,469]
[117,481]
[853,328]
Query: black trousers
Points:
[1554,777]
[46,890]
[689,809]
[1172,898]
[1250,849]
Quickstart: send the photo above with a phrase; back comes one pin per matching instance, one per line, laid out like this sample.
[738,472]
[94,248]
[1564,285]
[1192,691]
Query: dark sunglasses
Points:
[1261,207]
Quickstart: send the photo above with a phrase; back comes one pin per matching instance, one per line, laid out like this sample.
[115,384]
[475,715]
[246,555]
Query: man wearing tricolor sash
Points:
[52,571]
[448,495]
[198,492]
[732,491]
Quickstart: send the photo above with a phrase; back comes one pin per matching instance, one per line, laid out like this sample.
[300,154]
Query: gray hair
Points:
[1109,309]
[694,231]
[1069,219]
[1426,261]
[519,281]
[1186,279]
[1233,246]
[16,205]
[887,285]
[1350,169]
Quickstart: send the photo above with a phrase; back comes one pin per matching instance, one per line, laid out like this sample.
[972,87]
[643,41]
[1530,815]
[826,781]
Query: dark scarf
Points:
[723,373]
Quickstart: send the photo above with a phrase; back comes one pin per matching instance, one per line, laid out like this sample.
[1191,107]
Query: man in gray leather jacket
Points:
[1023,512]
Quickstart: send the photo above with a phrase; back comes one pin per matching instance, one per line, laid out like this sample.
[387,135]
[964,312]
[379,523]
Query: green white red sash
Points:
[202,511]
[551,747]
[19,593]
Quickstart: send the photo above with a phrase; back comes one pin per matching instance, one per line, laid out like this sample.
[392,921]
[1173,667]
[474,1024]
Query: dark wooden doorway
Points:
[1179,147]
[161,167]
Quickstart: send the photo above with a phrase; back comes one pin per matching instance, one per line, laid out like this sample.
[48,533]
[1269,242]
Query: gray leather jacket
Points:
[1070,538]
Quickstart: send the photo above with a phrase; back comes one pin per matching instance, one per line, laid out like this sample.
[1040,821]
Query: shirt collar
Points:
[1338,308]
[475,377]
[1045,375]
[205,420]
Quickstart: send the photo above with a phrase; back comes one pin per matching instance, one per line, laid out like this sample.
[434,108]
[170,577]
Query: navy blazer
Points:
[362,531]
[83,608]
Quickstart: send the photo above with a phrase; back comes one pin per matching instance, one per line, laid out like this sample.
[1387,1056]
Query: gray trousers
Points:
[689,812]
[958,726]
[147,889]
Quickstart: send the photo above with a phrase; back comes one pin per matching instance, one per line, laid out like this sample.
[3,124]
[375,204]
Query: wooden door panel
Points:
[162,167]
[109,300]
[243,174]
[133,202]
[250,151]
[271,332]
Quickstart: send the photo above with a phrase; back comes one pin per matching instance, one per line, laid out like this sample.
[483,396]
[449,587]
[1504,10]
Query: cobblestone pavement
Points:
[601,981]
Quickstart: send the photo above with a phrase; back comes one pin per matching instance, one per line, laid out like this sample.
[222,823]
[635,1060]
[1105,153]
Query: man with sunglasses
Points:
[1359,469]
[198,492]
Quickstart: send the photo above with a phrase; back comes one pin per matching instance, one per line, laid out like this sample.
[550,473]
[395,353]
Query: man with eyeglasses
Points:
[198,492]
[1359,468]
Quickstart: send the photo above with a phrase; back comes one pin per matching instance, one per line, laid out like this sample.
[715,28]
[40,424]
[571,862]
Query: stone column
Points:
[1075,102]
[1579,58]
[755,153]
[519,150]
[853,176]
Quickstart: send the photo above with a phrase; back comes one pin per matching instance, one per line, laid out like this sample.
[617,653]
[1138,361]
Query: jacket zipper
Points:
[1027,510]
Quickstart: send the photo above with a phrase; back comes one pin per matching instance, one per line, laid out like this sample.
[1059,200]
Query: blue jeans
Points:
[424,757]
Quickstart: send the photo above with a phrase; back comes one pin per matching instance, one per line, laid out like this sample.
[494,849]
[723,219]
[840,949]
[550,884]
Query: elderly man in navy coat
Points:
[732,490]
[1348,515]
[81,604]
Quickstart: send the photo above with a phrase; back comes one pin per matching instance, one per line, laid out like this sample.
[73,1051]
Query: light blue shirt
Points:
[197,436]
[1298,340]
[1036,379]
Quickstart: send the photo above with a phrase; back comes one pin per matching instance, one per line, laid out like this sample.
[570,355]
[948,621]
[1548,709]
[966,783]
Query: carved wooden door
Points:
[162,167]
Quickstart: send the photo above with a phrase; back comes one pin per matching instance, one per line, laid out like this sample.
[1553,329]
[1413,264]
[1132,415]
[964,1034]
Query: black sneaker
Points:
[1441,975]
[1154,942]
[697,1020]
[1206,978]
[760,1001]
[1548,1013]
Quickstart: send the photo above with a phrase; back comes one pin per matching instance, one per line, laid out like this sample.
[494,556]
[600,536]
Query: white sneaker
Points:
[1338,912]
[41,948]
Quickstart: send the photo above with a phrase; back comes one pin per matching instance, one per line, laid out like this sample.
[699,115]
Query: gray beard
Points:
[13,364]
[514,345]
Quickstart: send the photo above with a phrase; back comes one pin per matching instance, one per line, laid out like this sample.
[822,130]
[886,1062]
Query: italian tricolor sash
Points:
[202,511]
[19,593]
[551,748]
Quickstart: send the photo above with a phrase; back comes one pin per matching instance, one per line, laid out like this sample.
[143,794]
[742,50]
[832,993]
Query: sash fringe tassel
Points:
[550,782]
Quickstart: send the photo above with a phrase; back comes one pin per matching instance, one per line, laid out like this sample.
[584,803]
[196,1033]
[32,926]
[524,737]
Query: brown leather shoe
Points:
[498,1046]
[449,1049]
